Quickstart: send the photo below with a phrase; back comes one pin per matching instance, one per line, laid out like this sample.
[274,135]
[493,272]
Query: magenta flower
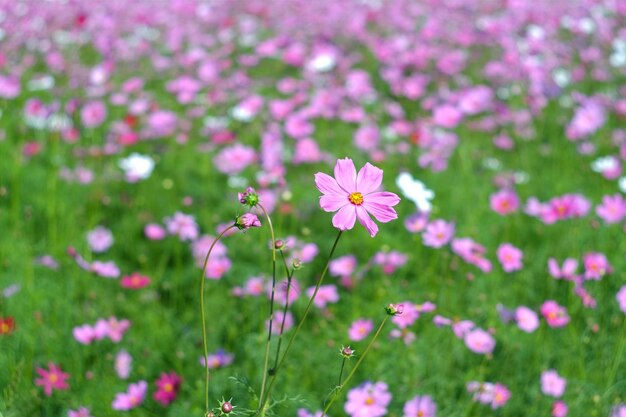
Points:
[52,379]
[596,266]
[246,221]
[168,386]
[354,196]
[559,409]
[135,281]
[613,209]
[504,202]
[81,412]
[135,396]
[423,406]
[368,400]
[438,233]
[555,315]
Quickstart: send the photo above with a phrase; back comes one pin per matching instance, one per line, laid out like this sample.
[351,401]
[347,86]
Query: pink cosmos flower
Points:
[526,319]
[568,271]
[422,406]
[93,114]
[168,386]
[100,239]
[619,411]
[285,292]
[134,397]
[552,383]
[183,225]
[471,252]
[81,412]
[218,359]
[277,322]
[613,209]
[621,298]
[361,328]
[596,266]
[105,269]
[409,315]
[135,281]
[84,334]
[123,364]
[479,341]
[438,233]
[234,159]
[559,409]
[51,379]
[390,261]
[495,395]
[555,315]
[354,196]
[116,328]
[326,294]
[342,266]
[510,257]
[368,400]
[504,202]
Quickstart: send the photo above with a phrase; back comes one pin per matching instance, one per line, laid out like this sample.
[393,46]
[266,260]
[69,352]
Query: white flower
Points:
[137,167]
[605,163]
[322,62]
[622,184]
[415,191]
[241,113]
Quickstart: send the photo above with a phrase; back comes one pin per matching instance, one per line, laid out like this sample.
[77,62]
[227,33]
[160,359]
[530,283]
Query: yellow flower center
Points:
[4,328]
[53,378]
[369,401]
[356,198]
[168,388]
[420,413]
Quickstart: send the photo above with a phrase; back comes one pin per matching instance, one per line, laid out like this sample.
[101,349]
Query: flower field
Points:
[365,208]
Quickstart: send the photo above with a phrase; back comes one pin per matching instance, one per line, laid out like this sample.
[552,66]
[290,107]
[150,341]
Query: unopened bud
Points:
[347,352]
[249,197]
[227,407]
[279,244]
[394,309]
[296,263]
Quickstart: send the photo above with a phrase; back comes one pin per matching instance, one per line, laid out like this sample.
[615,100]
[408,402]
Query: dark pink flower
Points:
[354,196]
[168,386]
[51,379]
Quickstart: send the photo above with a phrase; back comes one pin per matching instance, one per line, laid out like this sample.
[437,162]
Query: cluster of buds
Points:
[394,309]
[249,197]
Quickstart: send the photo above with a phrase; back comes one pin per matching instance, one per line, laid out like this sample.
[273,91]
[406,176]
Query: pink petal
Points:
[385,198]
[345,174]
[381,212]
[333,202]
[345,218]
[369,178]
[366,221]
[327,184]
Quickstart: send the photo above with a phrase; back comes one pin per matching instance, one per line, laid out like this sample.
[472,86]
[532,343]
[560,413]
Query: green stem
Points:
[343,364]
[349,377]
[204,342]
[297,330]
[269,332]
[286,307]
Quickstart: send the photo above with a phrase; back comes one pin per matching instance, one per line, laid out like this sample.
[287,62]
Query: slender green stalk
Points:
[343,364]
[356,366]
[264,399]
[271,319]
[285,308]
[204,338]
[618,357]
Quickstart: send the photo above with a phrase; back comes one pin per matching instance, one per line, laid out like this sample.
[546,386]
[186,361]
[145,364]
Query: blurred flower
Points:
[613,209]
[7,325]
[555,315]
[183,225]
[479,341]
[123,364]
[368,400]
[559,409]
[135,281]
[568,271]
[154,231]
[326,294]
[526,319]
[438,233]
[415,191]
[105,269]
[168,386]
[596,266]
[354,196]
[361,328]
[51,379]
[552,383]
[509,257]
[137,167]
[422,406]
[621,298]
[134,397]
[218,359]
[81,412]
[100,239]
[504,202]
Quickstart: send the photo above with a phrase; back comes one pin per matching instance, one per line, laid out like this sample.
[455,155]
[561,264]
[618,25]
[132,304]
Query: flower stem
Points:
[204,338]
[264,399]
[271,318]
[343,364]
[286,307]
[356,366]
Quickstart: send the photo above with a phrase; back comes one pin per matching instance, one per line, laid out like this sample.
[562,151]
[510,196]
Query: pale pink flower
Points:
[613,209]
[479,341]
[81,412]
[621,298]
[326,294]
[368,400]
[559,409]
[234,159]
[116,328]
[84,334]
[182,225]
[526,319]
[219,359]
[471,252]
[343,266]
[568,271]
[105,269]
[134,397]
[409,315]
[552,383]
[420,406]
[438,233]
[100,239]
[510,257]
[354,196]
[123,364]
[93,113]
[447,116]
[278,320]
[360,329]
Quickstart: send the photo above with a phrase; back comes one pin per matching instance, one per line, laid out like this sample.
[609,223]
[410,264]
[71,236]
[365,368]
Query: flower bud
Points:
[394,309]
[279,244]
[296,263]
[249,197]
[226,407]
[246,221]
[347,352]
